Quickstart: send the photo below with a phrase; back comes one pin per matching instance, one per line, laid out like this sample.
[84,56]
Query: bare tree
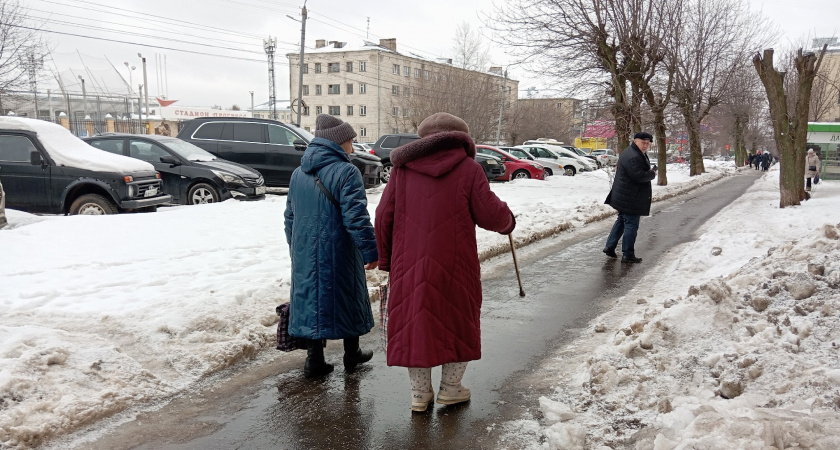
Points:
[790,124]
[470,49]
[20,47]
[539,118]
[736,111]
[825,91]
[715,38]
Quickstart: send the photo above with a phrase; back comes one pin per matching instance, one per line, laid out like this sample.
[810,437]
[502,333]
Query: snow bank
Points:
[733,343]
[70,151]
[100,314]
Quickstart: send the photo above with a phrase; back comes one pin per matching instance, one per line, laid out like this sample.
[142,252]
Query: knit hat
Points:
[643,136]
[441,122]
[810,150]
[333,129]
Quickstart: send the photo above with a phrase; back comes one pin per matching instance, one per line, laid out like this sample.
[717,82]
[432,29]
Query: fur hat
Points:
[333,129]
[441,122]
[645,136]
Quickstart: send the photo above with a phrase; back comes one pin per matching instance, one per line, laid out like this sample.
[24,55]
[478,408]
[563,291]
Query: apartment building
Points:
[379,90]
[825,94]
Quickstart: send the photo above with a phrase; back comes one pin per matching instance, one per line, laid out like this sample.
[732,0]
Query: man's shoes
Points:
[609,252]
[630,259]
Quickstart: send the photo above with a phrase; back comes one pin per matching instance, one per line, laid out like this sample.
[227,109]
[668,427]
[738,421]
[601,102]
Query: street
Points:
[567,280]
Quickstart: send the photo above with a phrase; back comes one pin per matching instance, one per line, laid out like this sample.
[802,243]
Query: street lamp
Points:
[145,83]
[84,98]
[252,103]
[130,73]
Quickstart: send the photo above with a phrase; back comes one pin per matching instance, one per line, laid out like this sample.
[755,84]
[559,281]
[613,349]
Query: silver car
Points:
[551,166]
[569,162]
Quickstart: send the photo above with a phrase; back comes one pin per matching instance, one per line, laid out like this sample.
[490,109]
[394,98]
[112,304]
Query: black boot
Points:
[315,365]
[610,252]
[353,355]
[630,259]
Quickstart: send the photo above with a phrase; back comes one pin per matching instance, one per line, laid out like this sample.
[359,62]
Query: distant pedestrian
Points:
[331,242]
[631,196]
[757,160]
[425,230]
[766,159]
[812,167]
[751,158]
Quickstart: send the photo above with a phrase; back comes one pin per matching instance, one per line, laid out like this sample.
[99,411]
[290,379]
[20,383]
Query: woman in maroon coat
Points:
[425,233]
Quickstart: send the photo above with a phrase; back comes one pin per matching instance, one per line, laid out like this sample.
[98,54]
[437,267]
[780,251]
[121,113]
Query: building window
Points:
[362,110]
[306,68]
[349,66]
[349,88]
[405,112]
[396,112]
[333,67]
[407,71]
[350,110]
[334,89]
[335,110]
[317,67]
[305,110]
[395,130]
[363,132]
[395,90]
[416,73]
[426,74]
[397,69]
[362,88]
[317,89]
[407,91]
[305,89]
[362,66]
[319,109]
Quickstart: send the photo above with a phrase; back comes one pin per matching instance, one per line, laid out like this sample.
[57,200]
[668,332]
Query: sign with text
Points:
[186,112]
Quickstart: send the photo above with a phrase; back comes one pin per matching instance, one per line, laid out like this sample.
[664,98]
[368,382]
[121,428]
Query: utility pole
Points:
[501,109]
[84,99]
[300,61]
[252,103]
[270,45]
[33,64]
[139,104]
[145,85]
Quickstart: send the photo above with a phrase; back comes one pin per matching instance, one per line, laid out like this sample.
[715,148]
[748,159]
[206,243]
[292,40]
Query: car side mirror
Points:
[35,159]
[300,144]
[169,159]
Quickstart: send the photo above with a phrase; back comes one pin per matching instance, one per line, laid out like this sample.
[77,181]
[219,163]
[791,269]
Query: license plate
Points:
[260,190]
[151,192]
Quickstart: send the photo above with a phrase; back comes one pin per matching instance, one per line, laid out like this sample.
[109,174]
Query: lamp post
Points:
[130,85]
[252,103]
[84,98]
[303,13]
[146,84]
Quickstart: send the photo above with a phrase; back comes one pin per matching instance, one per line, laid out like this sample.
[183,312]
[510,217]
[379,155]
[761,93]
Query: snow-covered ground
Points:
[731,343]
[102,314]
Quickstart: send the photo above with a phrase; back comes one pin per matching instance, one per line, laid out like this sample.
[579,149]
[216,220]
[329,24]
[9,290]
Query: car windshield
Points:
[188,151]
[599,152]
[519,153]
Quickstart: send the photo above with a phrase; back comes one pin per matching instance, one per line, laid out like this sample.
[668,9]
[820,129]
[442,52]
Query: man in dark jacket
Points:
[631,196]
[332,243]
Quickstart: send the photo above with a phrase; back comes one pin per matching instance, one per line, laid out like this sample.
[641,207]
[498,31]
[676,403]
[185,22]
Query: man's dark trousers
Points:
[627,225]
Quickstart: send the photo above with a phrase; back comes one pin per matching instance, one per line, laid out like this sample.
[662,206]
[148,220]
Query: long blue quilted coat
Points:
[329,247]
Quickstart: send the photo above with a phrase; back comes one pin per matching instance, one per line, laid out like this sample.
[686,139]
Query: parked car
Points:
[585,154]
[45,169]
[571,163]
[272,148]
[551,167]
[385,145]
[514,167]
[493,167]
[2,207]
[607,156]
[190,175]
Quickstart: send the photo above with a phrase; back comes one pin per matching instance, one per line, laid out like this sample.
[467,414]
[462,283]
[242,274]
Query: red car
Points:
[515,167]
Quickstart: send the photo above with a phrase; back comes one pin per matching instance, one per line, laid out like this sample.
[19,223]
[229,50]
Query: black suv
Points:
[273,148]
[45,169]
[385,144]
[190,174]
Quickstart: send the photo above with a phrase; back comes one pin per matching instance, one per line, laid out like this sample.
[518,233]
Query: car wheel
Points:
[202,193]
[547,173]
[520,174]
[92,205]
[385,173]
[569,171]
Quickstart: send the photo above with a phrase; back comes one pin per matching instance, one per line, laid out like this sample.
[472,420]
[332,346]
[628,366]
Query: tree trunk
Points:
[740,145]
[621,114]
[661,145]
[693,127]
[789,131]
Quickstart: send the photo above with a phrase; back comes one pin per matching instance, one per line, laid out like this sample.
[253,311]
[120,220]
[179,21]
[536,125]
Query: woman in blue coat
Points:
[331,242]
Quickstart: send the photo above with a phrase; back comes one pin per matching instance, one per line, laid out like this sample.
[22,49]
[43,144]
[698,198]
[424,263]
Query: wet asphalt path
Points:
[267,404]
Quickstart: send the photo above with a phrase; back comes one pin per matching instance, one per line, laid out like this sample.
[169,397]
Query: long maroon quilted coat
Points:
[425,234]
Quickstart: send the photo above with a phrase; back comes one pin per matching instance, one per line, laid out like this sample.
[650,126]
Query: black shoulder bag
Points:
[327,192]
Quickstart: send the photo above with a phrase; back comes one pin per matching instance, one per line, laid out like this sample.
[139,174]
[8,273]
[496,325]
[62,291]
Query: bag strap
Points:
[327,192]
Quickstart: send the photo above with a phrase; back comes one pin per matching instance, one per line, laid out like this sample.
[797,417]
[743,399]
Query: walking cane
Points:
[516,265]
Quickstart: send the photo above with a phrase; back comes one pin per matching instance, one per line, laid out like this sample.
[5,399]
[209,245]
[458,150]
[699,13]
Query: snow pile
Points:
[745,355]
[70,151]
[100,314]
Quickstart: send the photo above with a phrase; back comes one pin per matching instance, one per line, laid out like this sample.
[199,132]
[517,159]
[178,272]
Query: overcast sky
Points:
[224,25]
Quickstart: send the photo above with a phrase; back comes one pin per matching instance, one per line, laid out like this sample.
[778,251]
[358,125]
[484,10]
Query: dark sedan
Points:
[493,167]
[190,175]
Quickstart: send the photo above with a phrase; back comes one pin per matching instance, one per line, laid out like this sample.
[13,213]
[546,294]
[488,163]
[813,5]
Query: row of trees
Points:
[22,49]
